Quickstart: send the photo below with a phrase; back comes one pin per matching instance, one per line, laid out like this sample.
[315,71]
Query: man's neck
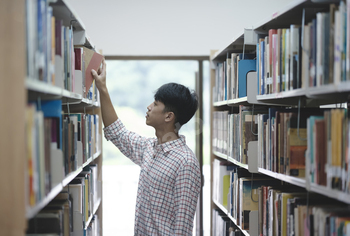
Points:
[166,136]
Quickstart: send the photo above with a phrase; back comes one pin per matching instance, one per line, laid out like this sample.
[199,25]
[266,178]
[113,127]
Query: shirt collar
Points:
[166,147]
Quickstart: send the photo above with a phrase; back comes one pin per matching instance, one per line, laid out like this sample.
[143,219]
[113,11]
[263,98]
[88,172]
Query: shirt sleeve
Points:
[129,143]
[187,188]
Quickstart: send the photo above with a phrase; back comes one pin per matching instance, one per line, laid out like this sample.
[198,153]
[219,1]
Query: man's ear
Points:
[170,116]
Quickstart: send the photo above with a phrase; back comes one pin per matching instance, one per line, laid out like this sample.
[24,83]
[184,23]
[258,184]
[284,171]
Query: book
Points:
[53,109]
[320,152]
[287,61]
[313,53]
[47,130]
[337,116]
[305,57]
[249,199]
[91,60]
[31,167]
[312,148]
[237,174]
[262,67]
[332,9]
[294,56]
[281,42]
[270,58]
[249,127]
[280,146]
[296,147]
[283,59]
[228,79]
[77,194]
[244,66]
[284,197]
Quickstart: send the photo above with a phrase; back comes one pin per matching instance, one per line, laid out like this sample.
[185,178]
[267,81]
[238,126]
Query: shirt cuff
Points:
[113,130]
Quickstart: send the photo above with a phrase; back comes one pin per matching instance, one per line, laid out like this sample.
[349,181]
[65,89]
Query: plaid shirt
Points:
[169,182]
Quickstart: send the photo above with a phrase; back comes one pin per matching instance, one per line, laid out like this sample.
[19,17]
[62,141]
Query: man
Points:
[169,182]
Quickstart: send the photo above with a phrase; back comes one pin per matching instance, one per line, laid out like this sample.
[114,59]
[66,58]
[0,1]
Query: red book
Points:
[88,61]
[92,60]
[78,55]
[320,152]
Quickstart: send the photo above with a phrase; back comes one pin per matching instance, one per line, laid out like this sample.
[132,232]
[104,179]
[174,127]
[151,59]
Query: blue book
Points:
[244,66]
[53,109]
[310,144]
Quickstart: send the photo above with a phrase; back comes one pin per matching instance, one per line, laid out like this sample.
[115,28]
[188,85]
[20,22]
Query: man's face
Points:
[155,115]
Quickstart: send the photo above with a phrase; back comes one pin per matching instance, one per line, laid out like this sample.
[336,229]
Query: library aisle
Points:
[119,198]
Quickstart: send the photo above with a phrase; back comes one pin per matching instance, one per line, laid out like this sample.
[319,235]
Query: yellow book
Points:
[297,146]
[225,190]
[336,138]
[336,131]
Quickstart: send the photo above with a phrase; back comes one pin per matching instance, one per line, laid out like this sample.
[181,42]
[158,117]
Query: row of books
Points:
[285,211]
[86,187]
[314,141]
[220,131]
[233,131]
[72,211]
[290,141]
[282,140]
[81,139]
[57,144]
[311,55]
[230,76]
[222,225]
[42,45]
[221,182]
[52,56]
[233,188]
[298,56]
[282,209]
[328,157]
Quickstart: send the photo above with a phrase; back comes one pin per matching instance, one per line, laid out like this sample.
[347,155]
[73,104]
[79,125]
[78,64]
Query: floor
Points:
[119,198]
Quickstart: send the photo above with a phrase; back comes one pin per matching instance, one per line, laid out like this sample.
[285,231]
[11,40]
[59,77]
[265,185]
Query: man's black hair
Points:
[179,100]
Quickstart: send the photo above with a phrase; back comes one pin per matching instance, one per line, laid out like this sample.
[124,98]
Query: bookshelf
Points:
[38,170]
[255,137]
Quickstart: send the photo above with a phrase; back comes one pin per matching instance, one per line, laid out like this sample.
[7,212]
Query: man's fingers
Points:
[94,73]
[103,64]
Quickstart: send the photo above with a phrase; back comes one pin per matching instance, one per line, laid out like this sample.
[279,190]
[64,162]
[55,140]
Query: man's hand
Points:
[100,77]
[107,110]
